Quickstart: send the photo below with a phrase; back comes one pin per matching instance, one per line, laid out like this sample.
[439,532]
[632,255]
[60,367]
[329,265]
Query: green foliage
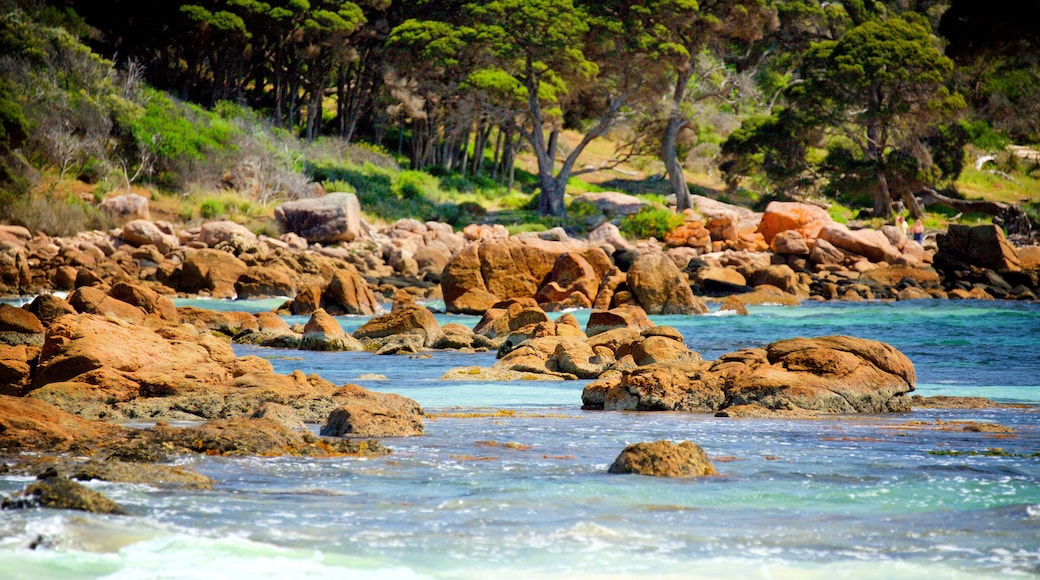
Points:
[650,222]
[983,136]
[178,134]
[412,184]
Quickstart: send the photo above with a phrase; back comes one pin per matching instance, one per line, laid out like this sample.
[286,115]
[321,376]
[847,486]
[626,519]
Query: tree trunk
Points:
[669,153]
[911,204]
[882,196]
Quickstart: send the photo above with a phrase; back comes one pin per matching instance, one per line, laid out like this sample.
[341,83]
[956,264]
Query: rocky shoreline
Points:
[115,349]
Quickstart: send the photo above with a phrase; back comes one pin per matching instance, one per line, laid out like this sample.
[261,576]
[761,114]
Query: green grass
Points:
[975,184]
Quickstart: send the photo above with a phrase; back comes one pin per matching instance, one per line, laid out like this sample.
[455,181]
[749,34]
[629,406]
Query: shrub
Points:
[57,217]
[413,184]
[650,222]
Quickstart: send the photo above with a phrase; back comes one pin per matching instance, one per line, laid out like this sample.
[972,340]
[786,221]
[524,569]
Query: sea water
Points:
[510,479]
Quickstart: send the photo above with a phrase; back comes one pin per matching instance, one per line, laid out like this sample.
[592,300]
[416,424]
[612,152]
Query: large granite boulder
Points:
[217,232]
[664,459]
[487,272]
[15,274]
[144,232]
[129,206]
[32,425]
[370,414]
[984,246]
[406,318]
[335,217]
[782,216]
[99,367]
[871,244]
[212,271]
[508,316]
[661,287]
[348,293]
[266,282]
[831,374]
[90,300]
[323,332]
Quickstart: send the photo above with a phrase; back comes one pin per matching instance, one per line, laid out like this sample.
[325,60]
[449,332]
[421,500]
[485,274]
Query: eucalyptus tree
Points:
[679,33]
[882,87]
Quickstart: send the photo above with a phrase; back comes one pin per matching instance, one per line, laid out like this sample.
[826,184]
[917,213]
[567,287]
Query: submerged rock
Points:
[664,459]
[58,492]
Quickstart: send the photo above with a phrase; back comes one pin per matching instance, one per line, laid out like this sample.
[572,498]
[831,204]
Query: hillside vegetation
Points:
[457,112]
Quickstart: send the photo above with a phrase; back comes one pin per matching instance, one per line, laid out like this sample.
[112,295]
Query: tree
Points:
[881,86]
[678,32]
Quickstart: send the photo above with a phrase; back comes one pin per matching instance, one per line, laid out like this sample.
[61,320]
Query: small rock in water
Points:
[57,492]
[664,459]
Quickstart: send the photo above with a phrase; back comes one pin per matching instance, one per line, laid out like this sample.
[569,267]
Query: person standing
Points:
[918,231]
[903,227]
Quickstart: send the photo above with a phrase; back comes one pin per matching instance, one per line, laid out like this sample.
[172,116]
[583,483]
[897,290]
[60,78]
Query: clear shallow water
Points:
[527,494]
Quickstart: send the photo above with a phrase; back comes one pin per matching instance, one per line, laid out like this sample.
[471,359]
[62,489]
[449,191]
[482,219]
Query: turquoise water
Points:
[527,495]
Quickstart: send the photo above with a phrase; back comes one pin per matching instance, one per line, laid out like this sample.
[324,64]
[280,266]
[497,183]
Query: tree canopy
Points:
[795,97]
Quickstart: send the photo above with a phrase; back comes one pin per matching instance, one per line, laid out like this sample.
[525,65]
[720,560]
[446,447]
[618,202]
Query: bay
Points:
[510,478]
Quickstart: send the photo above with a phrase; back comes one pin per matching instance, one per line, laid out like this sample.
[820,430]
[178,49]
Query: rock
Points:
[985,246]
[975,293]
[146,300]
[265,282]
[14,235]
[335,217]
[661,288]
[249,437]
[323,332]
[143,232]
[778,276]
[62,493]
[509,316]
[33,425]
[613,203]
[229,323]
[15,274]
[280,414]
[790,242]
[217,232]
[729,276]
[571,273]
[891,276]
[678,386]
[348,293]
[48,307]
[307,300]
[664,459]
[733,304]
[609,234]
[16,364]
[271,331]
[825,253]
[18,326]
[126,207]
[569,357]
[871,244]
[407,319]
[487,272]
[211,271]
[1029,257]
[831,374]
[632,317]
[89,300]
[781,216]
[658,349]
[391,416]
